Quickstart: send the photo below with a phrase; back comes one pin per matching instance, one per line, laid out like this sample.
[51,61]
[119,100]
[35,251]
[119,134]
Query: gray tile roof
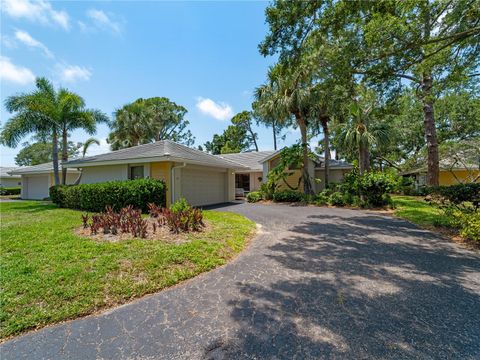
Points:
[249,159]
[44,168]
[4,172]
[164,149]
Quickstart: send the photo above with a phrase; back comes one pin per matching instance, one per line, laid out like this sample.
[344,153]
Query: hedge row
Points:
[117,194]
[10,190]
[457,193]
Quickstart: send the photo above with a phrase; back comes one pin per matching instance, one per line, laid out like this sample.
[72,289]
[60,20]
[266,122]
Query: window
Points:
[136,172]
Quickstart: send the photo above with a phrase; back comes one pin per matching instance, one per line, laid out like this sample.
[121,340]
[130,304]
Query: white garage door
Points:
[36,187]
[202,187]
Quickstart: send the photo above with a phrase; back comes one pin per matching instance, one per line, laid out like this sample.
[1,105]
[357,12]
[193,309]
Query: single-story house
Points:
[7,179]
[201,178]
[37,180]
[337,171]
[450,174]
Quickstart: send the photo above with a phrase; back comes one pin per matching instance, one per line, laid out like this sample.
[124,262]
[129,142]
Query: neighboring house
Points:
[450,174]
[337,171]
[8,180]
[201,178]
[37,180]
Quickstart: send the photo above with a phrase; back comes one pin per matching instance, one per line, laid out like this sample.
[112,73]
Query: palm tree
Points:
[287,95]
[359,132]
[89,142]
[47,113]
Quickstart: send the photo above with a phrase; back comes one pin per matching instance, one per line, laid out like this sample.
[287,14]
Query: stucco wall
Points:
[95,174]
[335,176]
[162,171]
[254,182]
[10,182]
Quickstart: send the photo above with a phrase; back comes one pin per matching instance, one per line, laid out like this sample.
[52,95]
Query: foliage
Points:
[127,220]
[469,224]
[465,197]
[244,120]
[288,196]
[181,217]
[50,274]
[41,152]
[180,205]
[15,190]
[117,194]
[234,139]
[148,120]
[254,196]
[337,198]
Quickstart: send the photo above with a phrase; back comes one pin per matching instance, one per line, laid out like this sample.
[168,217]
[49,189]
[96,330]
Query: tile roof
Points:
[165,149]
[249,159]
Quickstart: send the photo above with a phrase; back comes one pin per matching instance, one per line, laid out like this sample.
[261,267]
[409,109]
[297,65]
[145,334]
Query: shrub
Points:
[288,196]
[470,225]
[117,194]
[254,196]
[459,195]
[16,190]
[322,198]
[268,189]
[336,199]
[180,205]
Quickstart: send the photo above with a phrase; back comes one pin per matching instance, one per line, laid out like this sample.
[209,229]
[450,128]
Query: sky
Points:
[202,55]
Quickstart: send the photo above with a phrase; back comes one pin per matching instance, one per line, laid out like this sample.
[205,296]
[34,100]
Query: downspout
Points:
[172,179]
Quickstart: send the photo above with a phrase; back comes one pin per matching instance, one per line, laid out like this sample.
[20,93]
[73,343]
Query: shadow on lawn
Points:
[368,289]
[27,206]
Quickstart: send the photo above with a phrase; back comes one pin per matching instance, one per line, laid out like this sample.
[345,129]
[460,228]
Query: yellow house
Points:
[449,175]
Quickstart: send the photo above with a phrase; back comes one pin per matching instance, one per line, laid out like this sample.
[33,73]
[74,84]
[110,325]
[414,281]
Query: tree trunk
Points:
[433,168]
[253,138]
[55,156]
[307,185]
[274,136]
[64,154]
[326,145]
[363,158]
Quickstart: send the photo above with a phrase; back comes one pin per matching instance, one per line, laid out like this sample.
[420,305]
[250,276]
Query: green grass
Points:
[49,274]
[418,211]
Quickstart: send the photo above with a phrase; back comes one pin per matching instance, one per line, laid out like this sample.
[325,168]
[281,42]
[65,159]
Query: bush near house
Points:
[117,194]
[288,196]
[254,196]
[10,190]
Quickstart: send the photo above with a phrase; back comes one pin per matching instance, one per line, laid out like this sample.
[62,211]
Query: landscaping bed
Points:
[51,273]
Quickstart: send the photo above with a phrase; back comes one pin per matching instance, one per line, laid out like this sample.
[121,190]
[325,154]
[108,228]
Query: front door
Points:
[242,181]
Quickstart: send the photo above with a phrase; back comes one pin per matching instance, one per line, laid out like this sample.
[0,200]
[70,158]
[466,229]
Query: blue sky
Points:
[202,55]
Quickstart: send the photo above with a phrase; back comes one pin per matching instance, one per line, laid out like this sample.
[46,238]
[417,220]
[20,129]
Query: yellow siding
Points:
[292,180]
[462,176]
[161,171]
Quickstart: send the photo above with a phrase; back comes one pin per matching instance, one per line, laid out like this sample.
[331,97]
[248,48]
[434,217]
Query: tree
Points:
[431,45]
[148,120]
[269,118]
[233,140]
[41,152]
[46,112]
[244,120]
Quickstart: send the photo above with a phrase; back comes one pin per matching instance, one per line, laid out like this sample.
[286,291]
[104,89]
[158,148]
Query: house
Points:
[8,180]
[37,179]
[201,178]
[450,174]
[337,171]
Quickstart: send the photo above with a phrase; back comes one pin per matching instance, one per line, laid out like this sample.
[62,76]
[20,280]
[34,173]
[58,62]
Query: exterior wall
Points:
[230,190]
[335,176]
[162,171]
[254,182]
[461,176]
[71,178]
[35,186]
[10,182]
[95,174]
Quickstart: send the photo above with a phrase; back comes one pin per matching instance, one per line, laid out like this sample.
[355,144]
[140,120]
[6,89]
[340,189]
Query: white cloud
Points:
[101,20]
[37,11]
[14,73]
[72,73]
[28,40]
[95,149]
[219,111]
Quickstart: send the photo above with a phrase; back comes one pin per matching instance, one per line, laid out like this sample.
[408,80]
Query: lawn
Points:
[50,274]
[418,211]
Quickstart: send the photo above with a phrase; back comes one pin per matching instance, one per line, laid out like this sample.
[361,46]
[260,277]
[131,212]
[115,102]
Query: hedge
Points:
[117,194]
[457,193]
[254,196]
[288,196]
[10,190]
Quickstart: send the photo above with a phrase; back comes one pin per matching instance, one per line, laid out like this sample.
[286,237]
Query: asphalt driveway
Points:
[316,283]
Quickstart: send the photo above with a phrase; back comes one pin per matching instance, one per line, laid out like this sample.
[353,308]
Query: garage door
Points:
[202,187]
[37,187]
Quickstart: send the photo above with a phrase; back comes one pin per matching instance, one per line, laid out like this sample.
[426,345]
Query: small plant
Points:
[336,199]
[154,210]
[180,205]
[254,196]
[85,219]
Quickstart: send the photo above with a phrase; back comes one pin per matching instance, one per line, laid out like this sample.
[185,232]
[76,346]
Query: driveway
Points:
[316,283]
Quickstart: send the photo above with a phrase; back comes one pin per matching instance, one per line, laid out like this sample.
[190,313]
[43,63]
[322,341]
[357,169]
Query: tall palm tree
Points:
[46,112]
